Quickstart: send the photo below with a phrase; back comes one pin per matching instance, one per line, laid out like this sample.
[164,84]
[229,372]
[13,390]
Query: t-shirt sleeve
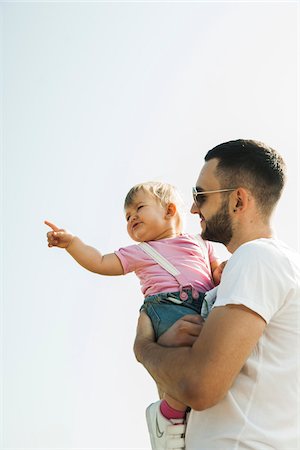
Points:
[129,257]
[250,278]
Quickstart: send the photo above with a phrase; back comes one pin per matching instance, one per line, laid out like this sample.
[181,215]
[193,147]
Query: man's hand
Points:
[182,333]
[58,237]
[167,365]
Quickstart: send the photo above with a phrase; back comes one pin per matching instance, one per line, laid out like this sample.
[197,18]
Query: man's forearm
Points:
[201,375]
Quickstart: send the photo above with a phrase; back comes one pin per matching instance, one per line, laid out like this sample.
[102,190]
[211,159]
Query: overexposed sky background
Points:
[98,96]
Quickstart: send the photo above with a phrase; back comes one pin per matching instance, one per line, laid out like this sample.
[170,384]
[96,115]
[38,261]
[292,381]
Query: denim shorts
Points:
[166,308]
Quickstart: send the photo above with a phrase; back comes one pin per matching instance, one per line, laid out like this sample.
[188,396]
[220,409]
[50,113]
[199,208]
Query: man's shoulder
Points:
[265,246]
[271,252]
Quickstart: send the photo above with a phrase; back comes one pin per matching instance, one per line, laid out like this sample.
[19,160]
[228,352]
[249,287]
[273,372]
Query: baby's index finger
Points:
[51,225]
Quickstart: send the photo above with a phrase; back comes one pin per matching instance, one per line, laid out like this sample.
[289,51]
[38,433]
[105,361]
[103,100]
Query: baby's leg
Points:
[171,408]
[166,418]
[166,423]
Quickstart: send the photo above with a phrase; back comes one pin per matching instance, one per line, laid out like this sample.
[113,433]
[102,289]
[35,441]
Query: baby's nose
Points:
[132,219]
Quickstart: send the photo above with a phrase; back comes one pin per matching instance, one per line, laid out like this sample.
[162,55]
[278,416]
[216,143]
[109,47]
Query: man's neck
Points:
[238,239]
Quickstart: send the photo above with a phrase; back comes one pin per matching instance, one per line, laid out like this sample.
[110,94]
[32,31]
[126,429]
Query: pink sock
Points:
[170,413]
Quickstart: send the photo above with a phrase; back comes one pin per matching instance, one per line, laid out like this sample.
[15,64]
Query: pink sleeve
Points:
[130,257]
[211,251]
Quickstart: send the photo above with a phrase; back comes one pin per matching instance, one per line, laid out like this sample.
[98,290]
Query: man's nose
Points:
[194,209]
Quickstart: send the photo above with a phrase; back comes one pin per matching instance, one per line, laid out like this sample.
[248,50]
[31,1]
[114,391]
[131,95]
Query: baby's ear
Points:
[171,210]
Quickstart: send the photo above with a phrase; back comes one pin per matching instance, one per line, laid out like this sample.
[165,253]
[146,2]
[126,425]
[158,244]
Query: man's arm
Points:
[201,375]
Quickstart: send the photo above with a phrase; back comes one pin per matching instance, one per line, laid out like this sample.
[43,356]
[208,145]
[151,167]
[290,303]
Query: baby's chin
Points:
[142,238]
[137,238]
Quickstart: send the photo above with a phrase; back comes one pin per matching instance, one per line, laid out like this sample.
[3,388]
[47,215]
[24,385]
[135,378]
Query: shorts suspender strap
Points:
[161,260]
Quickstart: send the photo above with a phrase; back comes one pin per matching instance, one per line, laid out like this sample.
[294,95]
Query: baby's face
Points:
[146,218]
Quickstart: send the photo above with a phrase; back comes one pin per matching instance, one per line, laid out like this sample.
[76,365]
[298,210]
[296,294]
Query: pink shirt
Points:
[184,252]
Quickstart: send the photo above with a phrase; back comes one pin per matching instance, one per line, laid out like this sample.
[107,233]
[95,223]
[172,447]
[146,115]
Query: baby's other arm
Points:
[217,269]
[88,257]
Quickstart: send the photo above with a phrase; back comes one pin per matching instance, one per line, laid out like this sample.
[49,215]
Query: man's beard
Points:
[219,227]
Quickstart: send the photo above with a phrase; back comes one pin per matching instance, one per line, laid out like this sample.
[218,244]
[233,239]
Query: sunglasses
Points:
[199,196]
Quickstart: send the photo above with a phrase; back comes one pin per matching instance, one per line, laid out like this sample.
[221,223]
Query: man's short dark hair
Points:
[252,165]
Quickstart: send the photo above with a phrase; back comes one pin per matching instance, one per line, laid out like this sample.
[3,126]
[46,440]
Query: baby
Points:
[175,270]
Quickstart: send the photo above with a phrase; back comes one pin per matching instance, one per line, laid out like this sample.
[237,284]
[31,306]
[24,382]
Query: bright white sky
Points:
[98,97]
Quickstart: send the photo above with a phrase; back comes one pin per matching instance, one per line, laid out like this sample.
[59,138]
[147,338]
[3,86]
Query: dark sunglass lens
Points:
[200,199]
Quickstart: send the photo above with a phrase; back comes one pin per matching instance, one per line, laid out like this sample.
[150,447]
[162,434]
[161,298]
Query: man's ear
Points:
[171,210]
[241,199]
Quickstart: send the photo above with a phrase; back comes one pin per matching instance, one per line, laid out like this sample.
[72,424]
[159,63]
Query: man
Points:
[240,375]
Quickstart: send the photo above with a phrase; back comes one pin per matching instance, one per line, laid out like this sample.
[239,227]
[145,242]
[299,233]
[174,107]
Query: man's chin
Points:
[205,235]
[208,237]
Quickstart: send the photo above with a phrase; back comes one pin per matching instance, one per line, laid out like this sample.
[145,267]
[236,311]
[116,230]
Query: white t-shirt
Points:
[261,410]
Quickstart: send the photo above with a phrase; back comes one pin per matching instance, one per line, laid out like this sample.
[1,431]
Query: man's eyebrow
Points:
[199,189]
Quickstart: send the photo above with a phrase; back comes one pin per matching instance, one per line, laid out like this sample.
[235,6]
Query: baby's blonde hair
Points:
[165,193]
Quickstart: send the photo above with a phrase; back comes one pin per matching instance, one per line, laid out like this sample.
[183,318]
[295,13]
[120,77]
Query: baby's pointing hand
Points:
[58,237]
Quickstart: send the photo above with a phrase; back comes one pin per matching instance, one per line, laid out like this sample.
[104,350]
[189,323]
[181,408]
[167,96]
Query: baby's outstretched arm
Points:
[58,237]
[88,257]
